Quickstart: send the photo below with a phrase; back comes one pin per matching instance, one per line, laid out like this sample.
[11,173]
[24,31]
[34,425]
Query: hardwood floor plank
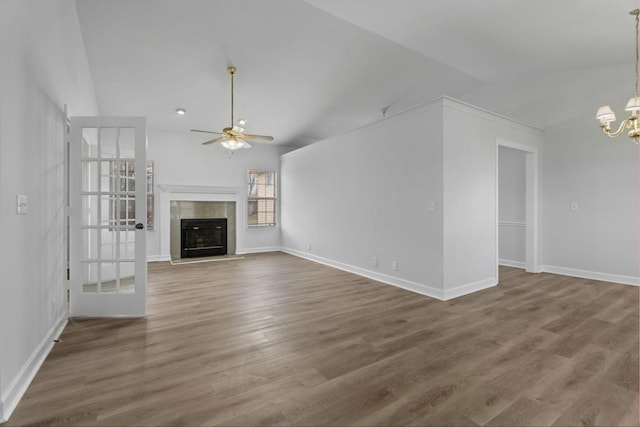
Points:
[584,370]
[272,339]
[606,408]
[523,412]
[624,370]
[574,340]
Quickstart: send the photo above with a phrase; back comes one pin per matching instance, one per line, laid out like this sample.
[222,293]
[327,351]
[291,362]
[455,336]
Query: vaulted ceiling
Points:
[311,69]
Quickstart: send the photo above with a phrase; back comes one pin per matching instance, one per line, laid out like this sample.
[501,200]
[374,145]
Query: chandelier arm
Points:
[626,123]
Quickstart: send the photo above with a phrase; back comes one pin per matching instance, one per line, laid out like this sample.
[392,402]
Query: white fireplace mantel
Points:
[199,193]
[201,189]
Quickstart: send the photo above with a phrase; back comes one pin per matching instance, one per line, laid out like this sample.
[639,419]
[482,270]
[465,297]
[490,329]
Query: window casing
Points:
[262,200]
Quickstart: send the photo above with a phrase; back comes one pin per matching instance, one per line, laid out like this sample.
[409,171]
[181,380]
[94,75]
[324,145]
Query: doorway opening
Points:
[523,224]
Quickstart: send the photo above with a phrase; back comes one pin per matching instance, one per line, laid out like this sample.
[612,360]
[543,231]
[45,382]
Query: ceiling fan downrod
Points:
[231,70]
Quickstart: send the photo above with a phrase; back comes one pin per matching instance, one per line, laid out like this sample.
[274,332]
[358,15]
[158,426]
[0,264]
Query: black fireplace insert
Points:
[203,237]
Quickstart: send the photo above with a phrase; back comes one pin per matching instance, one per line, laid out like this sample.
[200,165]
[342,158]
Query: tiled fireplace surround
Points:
[181,201]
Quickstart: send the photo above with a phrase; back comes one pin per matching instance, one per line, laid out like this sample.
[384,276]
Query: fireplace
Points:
[203,237]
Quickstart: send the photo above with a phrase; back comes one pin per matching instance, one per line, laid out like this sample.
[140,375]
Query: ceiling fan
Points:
[233,137]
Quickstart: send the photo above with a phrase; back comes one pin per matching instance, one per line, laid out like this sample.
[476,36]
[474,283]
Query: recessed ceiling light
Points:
[181,111]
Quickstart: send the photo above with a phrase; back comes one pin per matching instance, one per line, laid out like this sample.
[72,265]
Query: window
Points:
[123,172]
[261,204]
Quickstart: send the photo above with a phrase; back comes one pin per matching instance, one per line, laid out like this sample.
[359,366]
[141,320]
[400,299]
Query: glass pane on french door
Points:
[107,204]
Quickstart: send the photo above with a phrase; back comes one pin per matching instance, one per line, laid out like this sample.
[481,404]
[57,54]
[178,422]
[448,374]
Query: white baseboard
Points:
[158,258]
[258,250]
[18,386]
[593,275]
[511,263]
[469,288]
[408,285]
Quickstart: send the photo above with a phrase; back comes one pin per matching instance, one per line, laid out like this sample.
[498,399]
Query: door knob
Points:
[139,226]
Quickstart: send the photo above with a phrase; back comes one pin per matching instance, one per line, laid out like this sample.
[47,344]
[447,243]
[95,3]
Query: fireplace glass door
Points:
[203,237]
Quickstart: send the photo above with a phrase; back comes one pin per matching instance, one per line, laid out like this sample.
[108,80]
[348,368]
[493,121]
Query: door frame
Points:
[532,232]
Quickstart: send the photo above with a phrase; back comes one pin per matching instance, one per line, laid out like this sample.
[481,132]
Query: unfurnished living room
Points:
[319,212]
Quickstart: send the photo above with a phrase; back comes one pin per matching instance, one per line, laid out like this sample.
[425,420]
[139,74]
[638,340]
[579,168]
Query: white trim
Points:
[469,288]
[532,225]
[419,288]
[157,258]
[592,275]
[259,250]
[454,103]
[408,285]
[512,224]
[202,189]
[511,263]
[18,386]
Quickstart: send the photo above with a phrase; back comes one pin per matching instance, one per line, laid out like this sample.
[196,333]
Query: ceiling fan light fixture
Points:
[233,144]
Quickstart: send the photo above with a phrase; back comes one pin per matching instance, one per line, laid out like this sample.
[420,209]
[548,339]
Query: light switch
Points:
[21,204]
[573,206]
[432,205]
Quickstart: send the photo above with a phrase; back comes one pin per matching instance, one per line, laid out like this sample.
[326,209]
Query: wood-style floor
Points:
[278,340]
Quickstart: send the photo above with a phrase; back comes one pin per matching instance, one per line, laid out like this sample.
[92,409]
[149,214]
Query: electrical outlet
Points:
[573,206]
[374,261]
[309,247]
[394,265]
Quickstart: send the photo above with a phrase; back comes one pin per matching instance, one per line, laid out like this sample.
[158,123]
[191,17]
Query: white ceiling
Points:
[311,69]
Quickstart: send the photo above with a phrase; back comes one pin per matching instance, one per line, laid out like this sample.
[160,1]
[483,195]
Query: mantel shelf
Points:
[201,189]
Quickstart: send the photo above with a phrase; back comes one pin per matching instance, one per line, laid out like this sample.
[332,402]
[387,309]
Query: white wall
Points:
[470,197]
[43,67]
[181,160]
[600,238]
[418,188]
[366,194]
[511,195]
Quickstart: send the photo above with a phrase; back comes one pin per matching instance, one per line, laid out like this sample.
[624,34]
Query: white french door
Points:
[108,189]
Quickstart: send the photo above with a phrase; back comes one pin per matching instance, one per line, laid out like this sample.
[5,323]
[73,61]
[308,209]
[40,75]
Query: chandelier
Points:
[606,115]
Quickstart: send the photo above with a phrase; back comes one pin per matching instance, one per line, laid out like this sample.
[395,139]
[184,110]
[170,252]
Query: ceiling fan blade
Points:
[261,137]
[206,131]
[222,138]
